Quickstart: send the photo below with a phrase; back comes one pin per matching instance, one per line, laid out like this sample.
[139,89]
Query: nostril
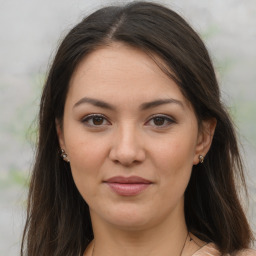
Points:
[127,163]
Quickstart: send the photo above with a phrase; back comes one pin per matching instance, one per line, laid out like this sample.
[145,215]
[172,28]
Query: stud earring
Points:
[201,158]
[64,155]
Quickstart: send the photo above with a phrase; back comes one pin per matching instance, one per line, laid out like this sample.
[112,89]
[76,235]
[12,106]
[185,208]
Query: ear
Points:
[60,135]
[204,140]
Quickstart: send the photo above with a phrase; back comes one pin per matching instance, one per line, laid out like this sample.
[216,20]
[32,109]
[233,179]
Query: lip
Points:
[126,180]
[128,186]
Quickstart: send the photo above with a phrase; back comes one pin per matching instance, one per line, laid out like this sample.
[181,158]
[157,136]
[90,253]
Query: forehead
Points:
[122,71]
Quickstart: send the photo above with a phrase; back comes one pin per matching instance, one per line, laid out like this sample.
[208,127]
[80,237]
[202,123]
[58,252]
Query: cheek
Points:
[85,150]
[86,162]
[174,162]
[176,153]
[86,155]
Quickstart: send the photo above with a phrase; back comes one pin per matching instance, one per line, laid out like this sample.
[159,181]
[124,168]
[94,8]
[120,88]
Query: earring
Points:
[64,155]
[201,158]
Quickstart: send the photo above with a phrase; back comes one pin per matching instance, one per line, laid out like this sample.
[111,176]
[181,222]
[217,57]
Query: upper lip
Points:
[128,180]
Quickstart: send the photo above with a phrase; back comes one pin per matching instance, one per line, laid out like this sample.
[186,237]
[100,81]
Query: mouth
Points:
[128,186]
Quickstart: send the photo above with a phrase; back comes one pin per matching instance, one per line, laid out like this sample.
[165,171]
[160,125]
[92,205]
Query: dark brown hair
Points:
[58,219]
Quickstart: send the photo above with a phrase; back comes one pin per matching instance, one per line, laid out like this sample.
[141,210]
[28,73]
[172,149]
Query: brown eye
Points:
[159,121]
[95,120]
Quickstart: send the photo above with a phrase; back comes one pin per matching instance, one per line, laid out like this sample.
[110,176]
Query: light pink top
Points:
[211,250]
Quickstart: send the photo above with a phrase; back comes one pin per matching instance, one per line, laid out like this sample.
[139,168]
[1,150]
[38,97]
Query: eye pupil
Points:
[97,120]
[159,121]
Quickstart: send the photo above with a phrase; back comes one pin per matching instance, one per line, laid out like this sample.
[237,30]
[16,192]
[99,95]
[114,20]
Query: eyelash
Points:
[167,120]
[90,117]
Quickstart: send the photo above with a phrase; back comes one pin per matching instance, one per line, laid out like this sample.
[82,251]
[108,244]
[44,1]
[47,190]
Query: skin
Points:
[127,140]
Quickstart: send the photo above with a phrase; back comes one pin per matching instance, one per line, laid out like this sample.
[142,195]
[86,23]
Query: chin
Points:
[130,223]
[131,218]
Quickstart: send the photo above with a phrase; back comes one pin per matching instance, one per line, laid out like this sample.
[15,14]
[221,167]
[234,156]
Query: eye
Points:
[95,120]
[160,121]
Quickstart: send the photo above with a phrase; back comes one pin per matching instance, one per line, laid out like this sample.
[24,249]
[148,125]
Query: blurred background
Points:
[30,33]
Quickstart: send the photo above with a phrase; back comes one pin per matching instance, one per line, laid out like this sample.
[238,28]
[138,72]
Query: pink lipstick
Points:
[128,186]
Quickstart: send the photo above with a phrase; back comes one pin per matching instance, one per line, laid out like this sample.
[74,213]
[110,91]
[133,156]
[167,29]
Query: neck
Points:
[167,238]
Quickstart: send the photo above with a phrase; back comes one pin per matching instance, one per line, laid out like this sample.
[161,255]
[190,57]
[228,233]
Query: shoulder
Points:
[209,250]
[212,250]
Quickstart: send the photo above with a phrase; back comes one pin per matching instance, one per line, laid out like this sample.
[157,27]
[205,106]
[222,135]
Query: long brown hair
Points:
[58,220]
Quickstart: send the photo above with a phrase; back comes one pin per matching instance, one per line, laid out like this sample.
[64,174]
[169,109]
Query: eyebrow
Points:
[143,106]
[95,102]
[156,103]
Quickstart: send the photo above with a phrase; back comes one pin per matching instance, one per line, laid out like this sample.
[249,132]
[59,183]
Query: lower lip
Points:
[131,189]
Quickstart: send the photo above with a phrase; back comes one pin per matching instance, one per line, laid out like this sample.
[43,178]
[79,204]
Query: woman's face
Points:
[131,138]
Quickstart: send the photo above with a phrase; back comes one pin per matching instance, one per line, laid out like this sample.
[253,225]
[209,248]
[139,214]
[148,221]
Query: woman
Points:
[136,153]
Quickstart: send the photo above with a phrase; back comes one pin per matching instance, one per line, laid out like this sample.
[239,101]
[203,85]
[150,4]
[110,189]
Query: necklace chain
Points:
[181,252]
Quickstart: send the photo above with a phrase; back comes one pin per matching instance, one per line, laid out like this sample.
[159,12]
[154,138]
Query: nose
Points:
[127,146]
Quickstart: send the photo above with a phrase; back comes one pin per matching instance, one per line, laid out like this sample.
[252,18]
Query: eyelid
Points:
[86,118]
[170,119]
